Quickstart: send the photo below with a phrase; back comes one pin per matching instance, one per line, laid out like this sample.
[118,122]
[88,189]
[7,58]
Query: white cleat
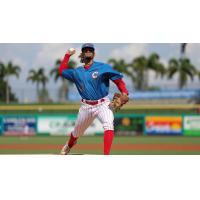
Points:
[65,150]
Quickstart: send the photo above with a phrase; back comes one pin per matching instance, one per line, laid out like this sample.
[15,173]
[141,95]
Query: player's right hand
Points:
[71,51]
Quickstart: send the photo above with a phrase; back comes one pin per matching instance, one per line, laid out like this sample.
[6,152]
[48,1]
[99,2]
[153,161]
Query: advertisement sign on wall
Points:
[19,125]
[63,125]
[129,125]
[192,125]
[163,125]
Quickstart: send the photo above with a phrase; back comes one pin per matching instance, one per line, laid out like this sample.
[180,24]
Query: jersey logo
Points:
[95,74]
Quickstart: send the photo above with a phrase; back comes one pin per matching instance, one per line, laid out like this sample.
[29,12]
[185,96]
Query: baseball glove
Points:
[118,101]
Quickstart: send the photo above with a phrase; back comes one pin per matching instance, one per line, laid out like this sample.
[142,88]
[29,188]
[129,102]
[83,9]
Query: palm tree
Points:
[155,65]
[141,65]
[183,68]
[119,65]
[6,71]
[38,77]
[138,69]
[34,76]
[198,74]
[64,90]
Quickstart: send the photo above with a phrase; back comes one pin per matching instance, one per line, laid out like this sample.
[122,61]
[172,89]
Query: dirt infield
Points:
[115,147]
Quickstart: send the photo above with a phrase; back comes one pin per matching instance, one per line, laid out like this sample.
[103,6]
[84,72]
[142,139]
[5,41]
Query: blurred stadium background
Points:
[38,108]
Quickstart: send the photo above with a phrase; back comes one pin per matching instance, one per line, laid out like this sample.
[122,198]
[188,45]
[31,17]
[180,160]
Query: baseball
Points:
[71,49]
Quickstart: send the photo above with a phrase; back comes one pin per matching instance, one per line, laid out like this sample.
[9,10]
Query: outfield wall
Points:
[125,124]
[73,108]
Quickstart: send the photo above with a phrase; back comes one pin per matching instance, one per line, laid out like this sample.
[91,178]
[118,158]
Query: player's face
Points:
[88,53]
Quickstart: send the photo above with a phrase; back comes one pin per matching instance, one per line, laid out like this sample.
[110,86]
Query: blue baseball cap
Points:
[87,45]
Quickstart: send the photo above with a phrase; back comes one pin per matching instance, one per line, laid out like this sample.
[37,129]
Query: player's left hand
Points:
[118,101]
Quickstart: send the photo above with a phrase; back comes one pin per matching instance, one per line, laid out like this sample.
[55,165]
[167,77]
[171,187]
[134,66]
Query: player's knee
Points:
[77,133]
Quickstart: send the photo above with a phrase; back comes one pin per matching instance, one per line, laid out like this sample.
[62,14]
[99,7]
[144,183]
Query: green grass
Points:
[99,139]
[60,140]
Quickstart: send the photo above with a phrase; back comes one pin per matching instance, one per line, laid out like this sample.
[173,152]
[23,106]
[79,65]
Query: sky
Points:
[34,55]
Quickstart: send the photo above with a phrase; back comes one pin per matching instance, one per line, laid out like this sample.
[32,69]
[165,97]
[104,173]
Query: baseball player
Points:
[92,81]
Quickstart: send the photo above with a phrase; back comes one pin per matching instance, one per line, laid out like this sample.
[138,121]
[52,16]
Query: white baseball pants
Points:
[87,113]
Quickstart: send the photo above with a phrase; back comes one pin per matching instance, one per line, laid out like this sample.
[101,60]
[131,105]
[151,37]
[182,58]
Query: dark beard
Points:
[87,59]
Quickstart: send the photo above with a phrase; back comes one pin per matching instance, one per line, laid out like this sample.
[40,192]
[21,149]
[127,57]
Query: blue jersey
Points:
[92,83]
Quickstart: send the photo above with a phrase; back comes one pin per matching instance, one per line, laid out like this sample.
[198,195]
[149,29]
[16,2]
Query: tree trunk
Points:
[37,90]
[146,80]
[140,80]
[64,91]
[7,92]
[180,82]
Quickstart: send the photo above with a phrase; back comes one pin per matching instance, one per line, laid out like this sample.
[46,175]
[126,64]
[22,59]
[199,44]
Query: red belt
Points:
[93,102]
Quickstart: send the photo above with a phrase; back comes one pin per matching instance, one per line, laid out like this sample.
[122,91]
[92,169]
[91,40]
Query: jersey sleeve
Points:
[68,74]
[113,74]
[64,63]
[121,85]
